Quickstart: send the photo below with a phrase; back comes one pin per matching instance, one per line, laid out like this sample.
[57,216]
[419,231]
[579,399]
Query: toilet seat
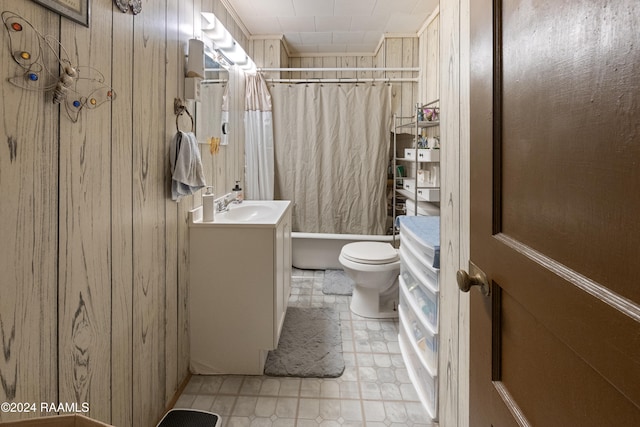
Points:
[373,253]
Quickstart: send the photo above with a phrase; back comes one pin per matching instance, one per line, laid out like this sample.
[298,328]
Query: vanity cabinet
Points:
[239,286]
[419,305]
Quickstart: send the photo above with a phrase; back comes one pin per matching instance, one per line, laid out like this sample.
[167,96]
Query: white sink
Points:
[247,212]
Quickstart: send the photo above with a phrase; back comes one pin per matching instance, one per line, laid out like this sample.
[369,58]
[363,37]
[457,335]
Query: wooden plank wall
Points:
[267,53]
[94,290]
[84,259]
[454,309]
[429,40]
[29,154]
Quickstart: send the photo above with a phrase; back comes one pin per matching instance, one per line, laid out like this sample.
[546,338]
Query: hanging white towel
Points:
[186,165]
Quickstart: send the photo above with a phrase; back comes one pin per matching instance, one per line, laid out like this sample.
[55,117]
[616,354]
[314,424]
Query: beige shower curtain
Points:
[331,153]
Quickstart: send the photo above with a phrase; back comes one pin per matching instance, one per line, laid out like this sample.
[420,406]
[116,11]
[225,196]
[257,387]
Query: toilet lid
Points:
[370,252]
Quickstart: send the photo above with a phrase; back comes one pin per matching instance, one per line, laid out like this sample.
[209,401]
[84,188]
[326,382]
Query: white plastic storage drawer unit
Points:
[419,304]
[424,154]
[417,290]
[425,382]
[425,337]
[427,274]
[428,253]
[424,194]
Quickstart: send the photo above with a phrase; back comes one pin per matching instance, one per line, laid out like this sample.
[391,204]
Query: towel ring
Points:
[179,108]
[178,117]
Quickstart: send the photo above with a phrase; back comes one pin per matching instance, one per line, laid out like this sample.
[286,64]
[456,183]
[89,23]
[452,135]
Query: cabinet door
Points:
[283,273]
[279,285]
[287,262]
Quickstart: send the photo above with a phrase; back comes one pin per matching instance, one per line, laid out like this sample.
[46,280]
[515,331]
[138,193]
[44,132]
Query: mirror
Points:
[225,61]
[212,112]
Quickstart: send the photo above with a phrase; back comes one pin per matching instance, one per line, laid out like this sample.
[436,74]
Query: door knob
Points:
[475,277]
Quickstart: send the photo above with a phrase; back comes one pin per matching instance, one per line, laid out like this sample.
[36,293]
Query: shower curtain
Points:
[259,167]
[331,155]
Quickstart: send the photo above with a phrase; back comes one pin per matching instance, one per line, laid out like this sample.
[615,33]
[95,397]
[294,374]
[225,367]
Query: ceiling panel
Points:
[333,23]
[371,37]
[340,26]
[331,48]
[369,23]
[316,38]
[297,24]
[293,39]
[423,6]
[403,23]
[270,7]
[354,7]
[313,7]
[394,7]
[263,24]
[343,37]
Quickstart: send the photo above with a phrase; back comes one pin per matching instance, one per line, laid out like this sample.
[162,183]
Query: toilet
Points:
[374,267]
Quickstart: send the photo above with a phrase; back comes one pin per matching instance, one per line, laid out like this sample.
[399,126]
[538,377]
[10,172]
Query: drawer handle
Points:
[477,278]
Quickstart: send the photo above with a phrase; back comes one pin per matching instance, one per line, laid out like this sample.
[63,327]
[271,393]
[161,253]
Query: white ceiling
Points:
[332,26]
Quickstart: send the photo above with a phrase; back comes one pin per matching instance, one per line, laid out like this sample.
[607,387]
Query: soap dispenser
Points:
[237,192]
[208,208]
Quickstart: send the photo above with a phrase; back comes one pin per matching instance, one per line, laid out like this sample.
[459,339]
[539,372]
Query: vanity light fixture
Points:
[195,69]
[224,44]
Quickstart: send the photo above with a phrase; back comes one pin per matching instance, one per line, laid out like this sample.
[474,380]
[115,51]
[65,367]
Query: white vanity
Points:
[240,281]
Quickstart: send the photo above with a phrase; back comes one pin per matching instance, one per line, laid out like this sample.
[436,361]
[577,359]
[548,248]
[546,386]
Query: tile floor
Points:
[374,391]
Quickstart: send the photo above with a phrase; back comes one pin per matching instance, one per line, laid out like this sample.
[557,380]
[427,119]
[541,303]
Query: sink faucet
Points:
[222,204]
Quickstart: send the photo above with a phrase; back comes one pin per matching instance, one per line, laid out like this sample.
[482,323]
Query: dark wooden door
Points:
[555,212]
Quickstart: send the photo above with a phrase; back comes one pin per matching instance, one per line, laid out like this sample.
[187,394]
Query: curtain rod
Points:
[345,80]
[411,69]
[214,81]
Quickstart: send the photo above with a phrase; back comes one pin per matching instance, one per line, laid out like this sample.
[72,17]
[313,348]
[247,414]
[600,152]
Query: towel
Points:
[214,145]
[186,165]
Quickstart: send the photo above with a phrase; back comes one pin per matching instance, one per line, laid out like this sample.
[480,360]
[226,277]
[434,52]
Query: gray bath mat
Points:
[310,345]
[336,282]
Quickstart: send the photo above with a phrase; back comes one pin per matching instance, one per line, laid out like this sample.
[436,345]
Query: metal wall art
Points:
[40,57]
[124,5]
